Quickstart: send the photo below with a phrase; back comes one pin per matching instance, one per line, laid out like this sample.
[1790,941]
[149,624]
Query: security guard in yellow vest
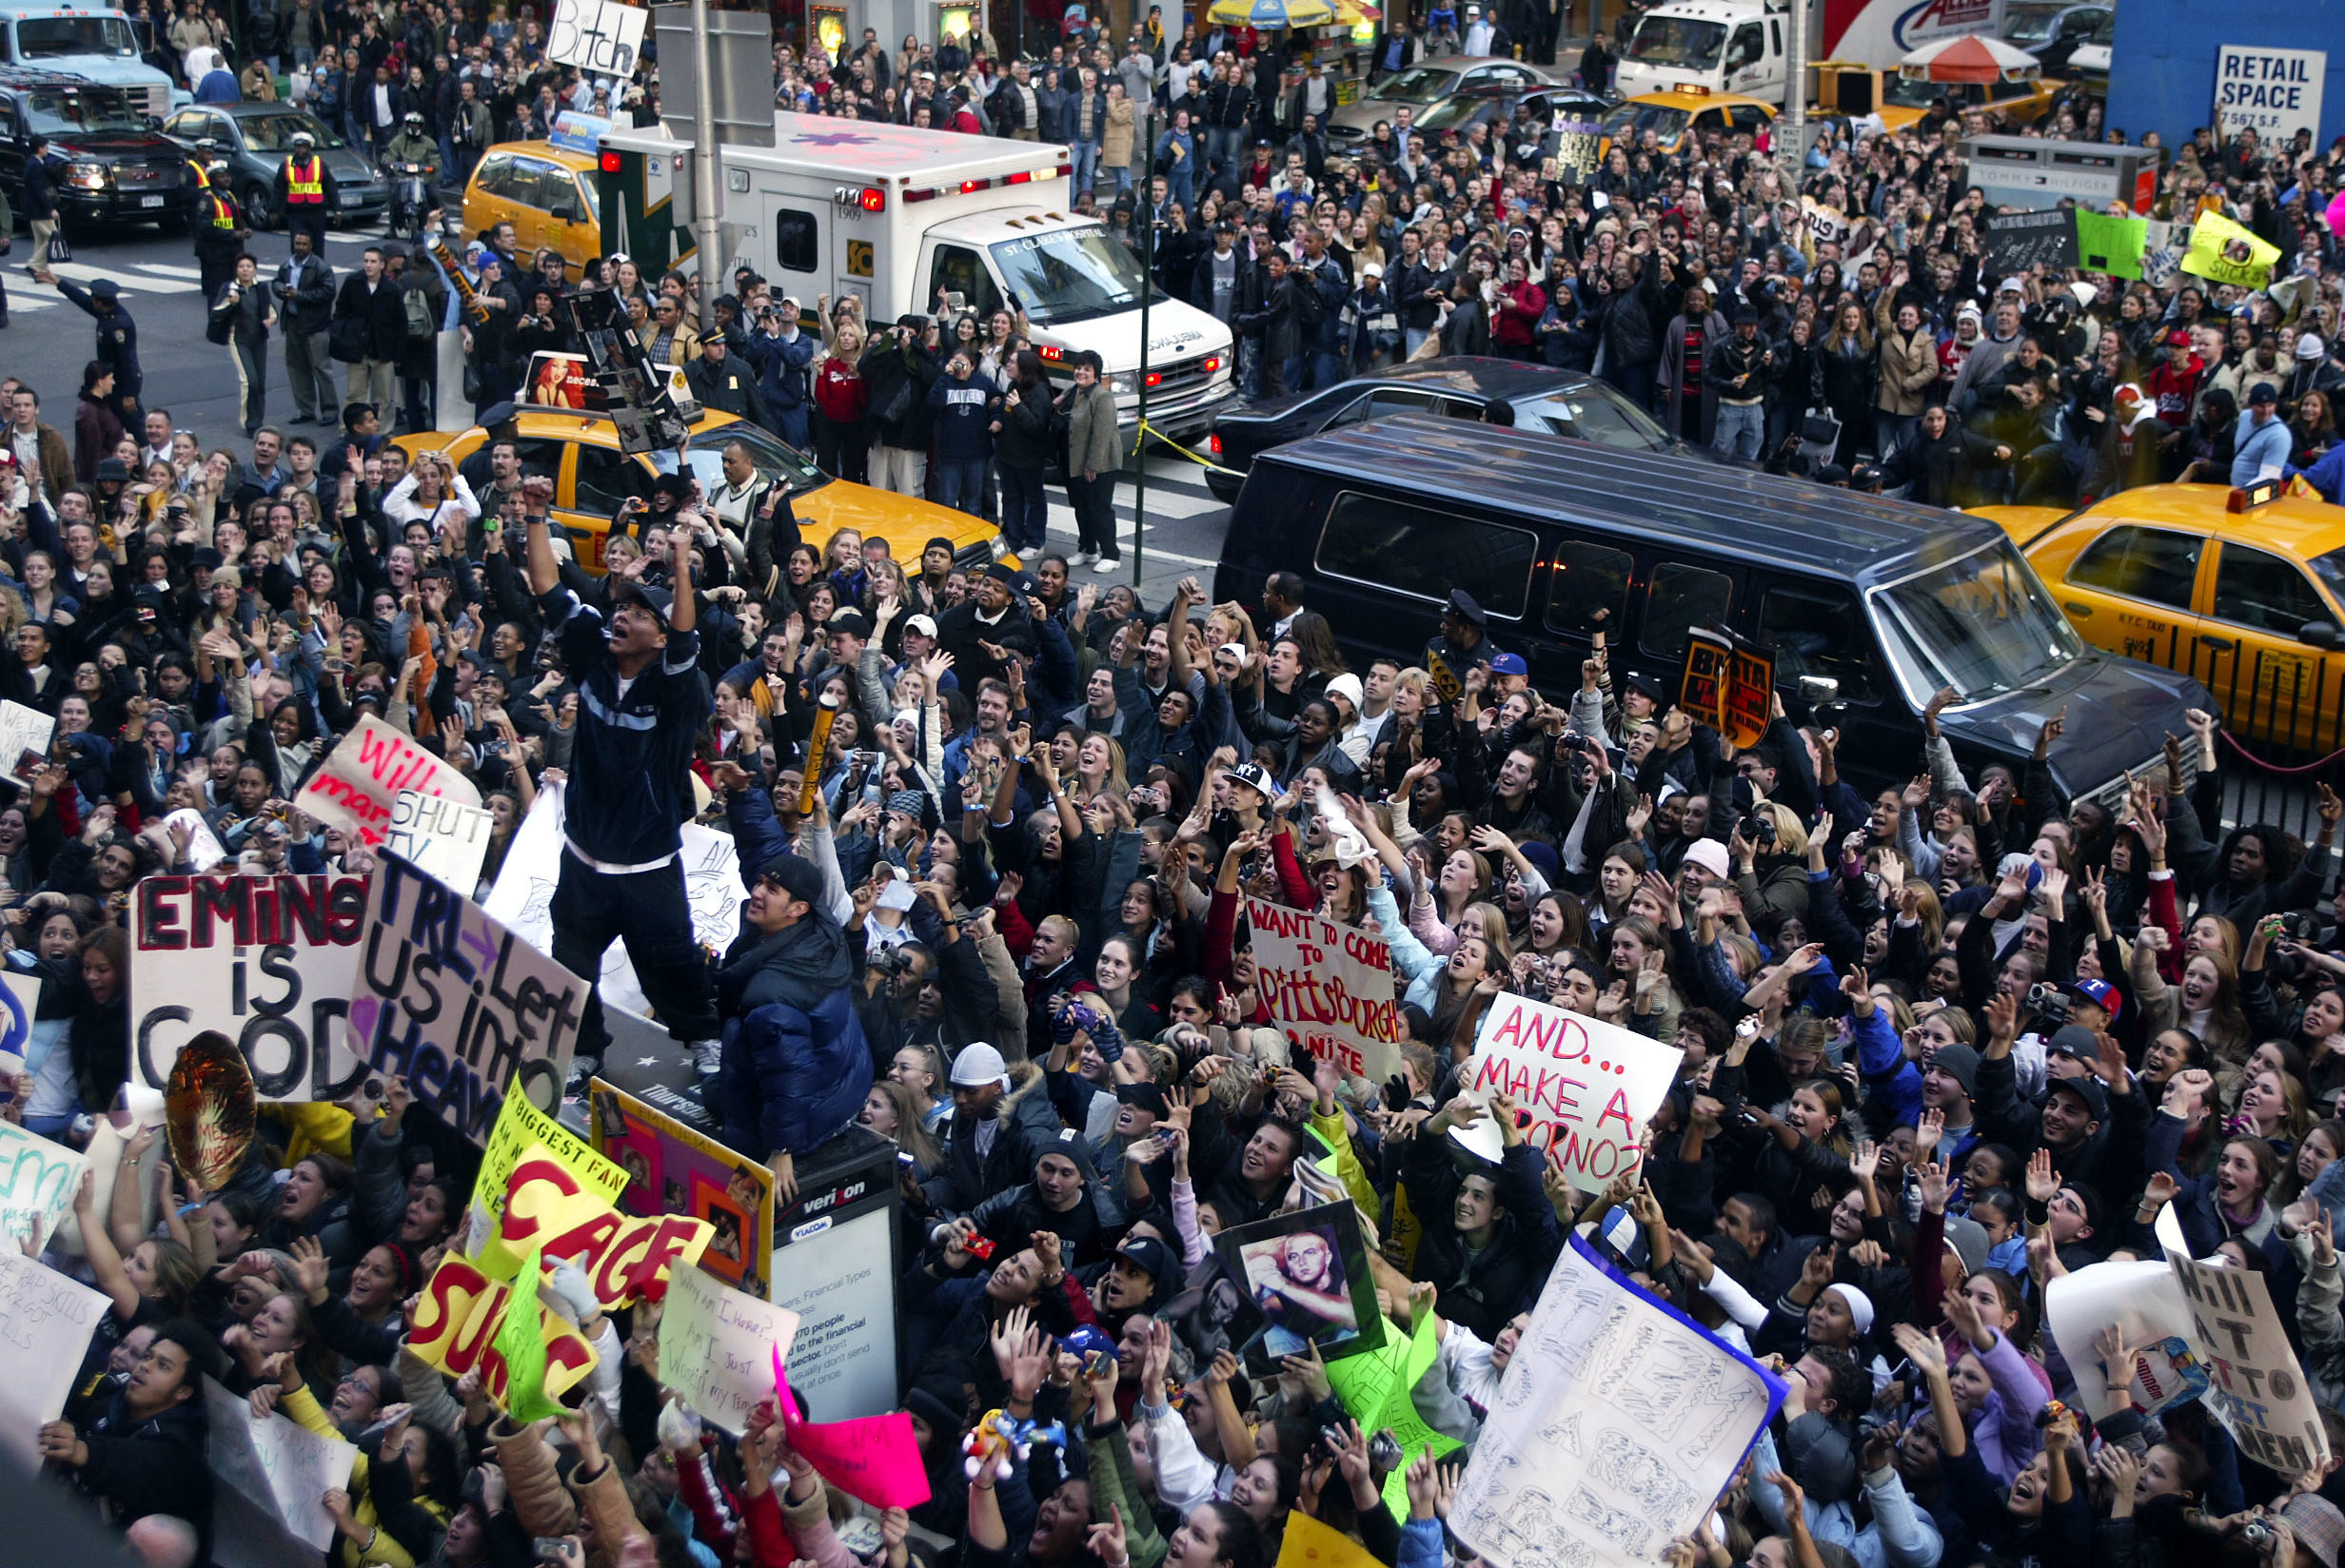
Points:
[305,191]
[218,230]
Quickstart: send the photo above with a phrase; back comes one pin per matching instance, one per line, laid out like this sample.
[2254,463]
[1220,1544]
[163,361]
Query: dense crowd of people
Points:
[1942,1042]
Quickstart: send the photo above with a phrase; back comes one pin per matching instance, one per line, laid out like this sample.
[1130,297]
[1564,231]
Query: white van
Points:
[1723,46]
[902,218]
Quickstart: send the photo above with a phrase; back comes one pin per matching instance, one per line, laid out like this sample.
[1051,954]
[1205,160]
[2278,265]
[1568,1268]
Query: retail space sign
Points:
[2274,92]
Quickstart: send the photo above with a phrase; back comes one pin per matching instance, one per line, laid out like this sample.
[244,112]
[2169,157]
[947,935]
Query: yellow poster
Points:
[455,1329]
[2223,252]
[521,1126]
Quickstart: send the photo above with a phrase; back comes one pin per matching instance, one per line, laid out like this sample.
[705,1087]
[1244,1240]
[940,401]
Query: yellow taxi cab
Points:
[1853,90]
[592,477]
[1680,117]
[546,191]
[2243,589]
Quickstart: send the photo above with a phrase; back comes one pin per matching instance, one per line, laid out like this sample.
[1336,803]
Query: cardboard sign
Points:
[1728,685]
[1587,1087]
[2256,1387]
[20,1003]
[1576,148]
[1825,224]
[466,1010]
[522,899]
[595,36]
[2016,241]
[25,734]
[1375,1389]
[267,961]
[1617,1424]
[205,850]
[444,838]
[2224,252]
[361,778]
[717,1347]
[455,1329]
[547,1209]
[2144,1301]
[37,1182]
[671,1168]
[276,1464]
[2115,245]
[1330,987]
[2274,92]
[520,1129]
[45,1321]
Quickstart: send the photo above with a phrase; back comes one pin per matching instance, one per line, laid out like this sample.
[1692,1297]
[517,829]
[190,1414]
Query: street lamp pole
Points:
[1148,292]
[704,185]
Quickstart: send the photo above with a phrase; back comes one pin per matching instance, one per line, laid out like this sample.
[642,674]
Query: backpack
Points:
[421,325]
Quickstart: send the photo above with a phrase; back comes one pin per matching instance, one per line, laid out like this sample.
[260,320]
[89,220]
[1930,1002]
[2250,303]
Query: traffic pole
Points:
[704,185]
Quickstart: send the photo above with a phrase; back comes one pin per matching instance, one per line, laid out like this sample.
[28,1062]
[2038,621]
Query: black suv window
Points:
[1585,579]
[1429,554]
[1682,596]
[1815,628]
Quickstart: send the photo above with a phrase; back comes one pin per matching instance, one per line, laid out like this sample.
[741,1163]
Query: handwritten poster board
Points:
[1728,685]
[1617,1424]
[37,1182]
[266,960]
[359,781]
[595,36]
[1330,988]
[717,1346]
[447,838]
[2016,241]
[45,1321]
[466,1010]
[1588,1087]
[276,1464]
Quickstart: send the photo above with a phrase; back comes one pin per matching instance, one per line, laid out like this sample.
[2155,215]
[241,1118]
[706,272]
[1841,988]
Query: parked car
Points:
[1427,83]
[257,138]
[1561,402]
[107,163]
[1868,606]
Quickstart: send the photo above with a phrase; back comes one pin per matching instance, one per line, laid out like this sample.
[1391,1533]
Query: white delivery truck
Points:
[1743,45]
[96,43]
[902,218]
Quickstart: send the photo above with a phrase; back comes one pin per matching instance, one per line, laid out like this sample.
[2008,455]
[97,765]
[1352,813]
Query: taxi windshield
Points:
[1070,275]
[1678,41]
[1982,624]
[773,458]
[1629,121]
[2331,569]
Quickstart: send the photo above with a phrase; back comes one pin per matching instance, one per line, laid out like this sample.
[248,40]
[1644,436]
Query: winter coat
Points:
[1116,137]
[1908,370]
[1093,443]
[1715,330]
[795,1067]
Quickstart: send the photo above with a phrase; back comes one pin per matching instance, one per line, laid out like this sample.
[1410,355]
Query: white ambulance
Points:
[905,218]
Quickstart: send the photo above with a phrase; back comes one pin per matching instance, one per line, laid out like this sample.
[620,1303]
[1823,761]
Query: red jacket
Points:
[2173,389]
[840,392]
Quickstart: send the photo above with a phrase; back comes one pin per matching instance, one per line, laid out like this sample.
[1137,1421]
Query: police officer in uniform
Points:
[218,230]
[117,338]
[306,191]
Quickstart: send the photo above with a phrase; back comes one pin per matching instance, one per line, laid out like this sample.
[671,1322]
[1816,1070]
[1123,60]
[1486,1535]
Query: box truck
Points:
[903,218]
[1743,46]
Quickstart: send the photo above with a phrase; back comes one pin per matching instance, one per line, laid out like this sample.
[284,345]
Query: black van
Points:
[1869,605]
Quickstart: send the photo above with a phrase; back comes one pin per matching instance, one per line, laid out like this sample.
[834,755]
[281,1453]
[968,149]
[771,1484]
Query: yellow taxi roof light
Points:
[2261,493]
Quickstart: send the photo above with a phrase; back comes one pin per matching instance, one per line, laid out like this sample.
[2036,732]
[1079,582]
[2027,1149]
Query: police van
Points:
[913,221]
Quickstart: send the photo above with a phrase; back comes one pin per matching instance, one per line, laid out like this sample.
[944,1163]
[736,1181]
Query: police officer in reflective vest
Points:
[306,191]
[218,230]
